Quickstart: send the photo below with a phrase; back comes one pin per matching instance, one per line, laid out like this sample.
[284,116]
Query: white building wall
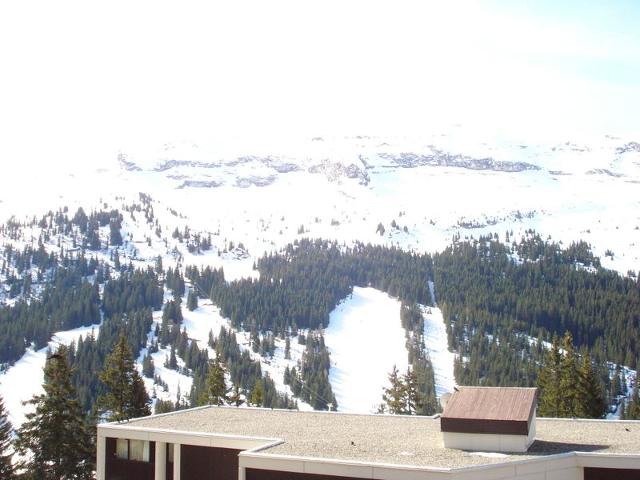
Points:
[485,442]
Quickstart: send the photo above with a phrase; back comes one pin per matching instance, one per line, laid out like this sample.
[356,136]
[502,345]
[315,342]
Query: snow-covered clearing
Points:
[365,339]
[435,340]
[24,379]
[437,344]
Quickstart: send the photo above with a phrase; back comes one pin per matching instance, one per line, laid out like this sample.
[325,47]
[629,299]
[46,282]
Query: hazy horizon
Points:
[83,81]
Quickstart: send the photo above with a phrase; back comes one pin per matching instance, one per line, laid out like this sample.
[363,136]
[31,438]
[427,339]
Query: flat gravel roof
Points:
[388,439]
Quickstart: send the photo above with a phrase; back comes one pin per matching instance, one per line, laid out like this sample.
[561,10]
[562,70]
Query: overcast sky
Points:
[79,80]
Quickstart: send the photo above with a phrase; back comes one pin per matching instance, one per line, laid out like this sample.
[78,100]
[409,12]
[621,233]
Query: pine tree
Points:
[6,466]
[591,402]
[126,396]
[192,301]
[287,348]
[55,439]
[549,404]
[568,378]
[148,368]
[257,394]
[616,388]
[394,396]
[633,408]
[216,391]
[412,392]
[173,360]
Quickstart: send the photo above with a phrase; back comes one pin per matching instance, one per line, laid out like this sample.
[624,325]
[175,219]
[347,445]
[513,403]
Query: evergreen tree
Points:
[568,378]
[6,466]
[616,388]
[591,402]
[115,237]
[549,403]
[192,301]
[125,395]
[394,396]
[287,348]
[633,410]
[412,392]
[257,394]
[216,391]
[148,368]
[55,439]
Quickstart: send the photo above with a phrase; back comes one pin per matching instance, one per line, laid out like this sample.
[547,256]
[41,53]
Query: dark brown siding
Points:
[504,427]
[169,465]
[206,463]
[117,469]
[255,474]
[611,474]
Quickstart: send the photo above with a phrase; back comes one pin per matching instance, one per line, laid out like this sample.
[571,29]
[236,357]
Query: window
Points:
[137,450]
[170,447]
[122,448]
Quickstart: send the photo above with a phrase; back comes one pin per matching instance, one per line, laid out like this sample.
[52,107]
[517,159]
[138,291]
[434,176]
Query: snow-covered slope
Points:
[366,340]
[24,379]
[443,183]
[423,191]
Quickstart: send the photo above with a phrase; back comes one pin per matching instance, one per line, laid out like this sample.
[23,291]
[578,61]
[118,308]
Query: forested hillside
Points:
[300,286]
[501,301]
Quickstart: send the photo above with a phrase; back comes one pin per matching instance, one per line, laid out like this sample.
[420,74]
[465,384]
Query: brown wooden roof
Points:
[490,410]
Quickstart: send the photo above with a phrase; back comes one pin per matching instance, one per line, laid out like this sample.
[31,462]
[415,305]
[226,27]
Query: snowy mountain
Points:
[413,193]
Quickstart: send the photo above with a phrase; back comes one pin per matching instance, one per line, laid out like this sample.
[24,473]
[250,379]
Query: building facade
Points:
[221,443]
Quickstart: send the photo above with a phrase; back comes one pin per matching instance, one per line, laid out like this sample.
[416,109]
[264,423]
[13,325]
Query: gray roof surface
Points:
[387,439]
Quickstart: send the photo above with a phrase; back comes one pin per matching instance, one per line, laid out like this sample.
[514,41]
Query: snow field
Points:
[365,339]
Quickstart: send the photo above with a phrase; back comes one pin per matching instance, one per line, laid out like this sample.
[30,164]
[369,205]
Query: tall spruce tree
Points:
[192,301]
[549,404]
[55,439]
[6,454]
[126,396]
[394,396]
[568,378]
[591,402]
[256,398]
[569,389]
[412,392]
[216,391]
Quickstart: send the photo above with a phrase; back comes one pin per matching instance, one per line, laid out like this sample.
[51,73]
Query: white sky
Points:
[81,79]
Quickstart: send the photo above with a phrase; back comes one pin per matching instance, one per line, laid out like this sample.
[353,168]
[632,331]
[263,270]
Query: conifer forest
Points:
[526,313]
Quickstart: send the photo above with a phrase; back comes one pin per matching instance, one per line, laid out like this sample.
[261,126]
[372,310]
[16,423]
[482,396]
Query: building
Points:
[490,419]
[224,443]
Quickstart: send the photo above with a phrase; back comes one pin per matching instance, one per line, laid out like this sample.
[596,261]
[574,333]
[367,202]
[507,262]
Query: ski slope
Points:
[365,339]
[437,345]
